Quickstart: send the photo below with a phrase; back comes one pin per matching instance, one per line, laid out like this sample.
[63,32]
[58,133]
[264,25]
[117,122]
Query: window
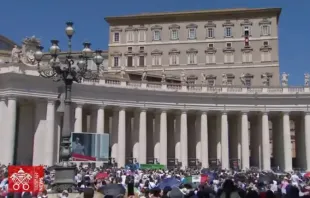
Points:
[265,56]
[142,35]
[129,49]
[267,83]
[228,32]
[210,45]
[141,48]
[192,33]
[228,45]
[130,36]
[211,82]
[210,33]
[129,61]
[116,61]
[141,61]
[156,36]
[229,81]
[246,31]
[229,57]
[265,30]
[156,60]
[116,37]
[265,43]
[191,80]
[247,57]
[192,58]
[174,34]
[174,59]
[248,82]
[210,59]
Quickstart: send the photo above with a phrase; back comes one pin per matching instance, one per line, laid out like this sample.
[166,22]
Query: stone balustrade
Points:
[172,87]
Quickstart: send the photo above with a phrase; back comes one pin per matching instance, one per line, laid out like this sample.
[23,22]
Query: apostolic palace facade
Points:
[199,88]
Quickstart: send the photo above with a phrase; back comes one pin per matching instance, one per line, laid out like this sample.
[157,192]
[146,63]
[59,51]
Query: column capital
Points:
[183,111]
[120,108]
[244,112]
[101,106]
[12,97]
[201,112]
[51,101]
[223,112]
[285,112]
[161,110]
[79,105]
[264,112]
[143,109]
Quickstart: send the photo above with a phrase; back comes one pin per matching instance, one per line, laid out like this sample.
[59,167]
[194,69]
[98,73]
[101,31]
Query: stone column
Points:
[204,140]
[184,140]
[177,143]
[156,136]
[9,137]
[3,122]
[307,140]
[121,137]
[224,140]
[50,133]
[265,142]
[163,137]
[78,118]
[150,136]
[287,144]
[245,153]
[142,137]
[114,135]
[100,119]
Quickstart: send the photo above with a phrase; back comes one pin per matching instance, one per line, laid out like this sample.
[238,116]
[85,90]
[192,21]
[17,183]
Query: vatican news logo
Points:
[26,179]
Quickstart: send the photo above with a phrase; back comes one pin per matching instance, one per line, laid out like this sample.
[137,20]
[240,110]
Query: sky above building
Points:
[46,20]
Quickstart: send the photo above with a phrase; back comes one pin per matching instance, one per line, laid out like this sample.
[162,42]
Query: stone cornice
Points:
[165,106]
[193,15]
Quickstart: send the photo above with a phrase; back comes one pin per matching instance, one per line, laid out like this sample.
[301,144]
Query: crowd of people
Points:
[206,183]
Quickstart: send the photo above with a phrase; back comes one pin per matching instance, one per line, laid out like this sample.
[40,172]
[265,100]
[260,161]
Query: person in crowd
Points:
[229,190]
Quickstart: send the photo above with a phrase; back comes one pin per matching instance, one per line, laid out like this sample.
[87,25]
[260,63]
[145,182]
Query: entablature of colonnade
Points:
[23,85]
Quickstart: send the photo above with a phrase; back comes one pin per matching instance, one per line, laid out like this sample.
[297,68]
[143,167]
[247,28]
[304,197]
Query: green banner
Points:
[152,166]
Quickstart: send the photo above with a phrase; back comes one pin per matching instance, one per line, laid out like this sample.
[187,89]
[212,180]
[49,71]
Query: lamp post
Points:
[69,73]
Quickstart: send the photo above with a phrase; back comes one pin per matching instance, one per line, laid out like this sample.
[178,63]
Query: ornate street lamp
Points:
[67,72]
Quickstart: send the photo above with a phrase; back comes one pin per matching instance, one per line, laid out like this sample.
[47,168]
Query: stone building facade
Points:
[235,118]
[238,43]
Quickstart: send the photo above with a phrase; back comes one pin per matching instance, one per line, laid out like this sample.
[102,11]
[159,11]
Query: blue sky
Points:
[46,20]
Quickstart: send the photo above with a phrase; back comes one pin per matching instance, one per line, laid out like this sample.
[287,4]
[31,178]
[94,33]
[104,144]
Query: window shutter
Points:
[159,61]
[208,58]
[119,61]
[213,58]
[195,58]
[126,61]
[177,59]
[153,60]
[188,59]
[225,58]
[269,56]
[232,57]
[243,57]
[250,57]
[112,62]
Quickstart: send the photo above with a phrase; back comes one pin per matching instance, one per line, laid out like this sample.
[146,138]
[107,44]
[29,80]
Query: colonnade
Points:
[163,134]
